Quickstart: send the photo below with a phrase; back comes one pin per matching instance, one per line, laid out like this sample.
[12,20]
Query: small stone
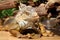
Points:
[51,34]
[35,36]
[48,31]
[29,35]
[45,34]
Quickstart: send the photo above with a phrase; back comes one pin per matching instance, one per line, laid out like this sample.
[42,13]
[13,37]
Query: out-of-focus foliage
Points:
[1,0]
[35,0]
[8,12]
[23,1]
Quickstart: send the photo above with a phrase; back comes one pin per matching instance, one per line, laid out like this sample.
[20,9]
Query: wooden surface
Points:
[7,36]
[6,4]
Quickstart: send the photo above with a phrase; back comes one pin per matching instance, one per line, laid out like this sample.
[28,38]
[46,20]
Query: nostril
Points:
[56,4]
[53,12]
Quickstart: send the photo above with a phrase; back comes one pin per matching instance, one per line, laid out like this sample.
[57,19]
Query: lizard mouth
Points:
[30,31]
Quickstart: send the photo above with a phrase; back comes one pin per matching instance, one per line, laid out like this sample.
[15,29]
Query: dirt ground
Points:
[7,36]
